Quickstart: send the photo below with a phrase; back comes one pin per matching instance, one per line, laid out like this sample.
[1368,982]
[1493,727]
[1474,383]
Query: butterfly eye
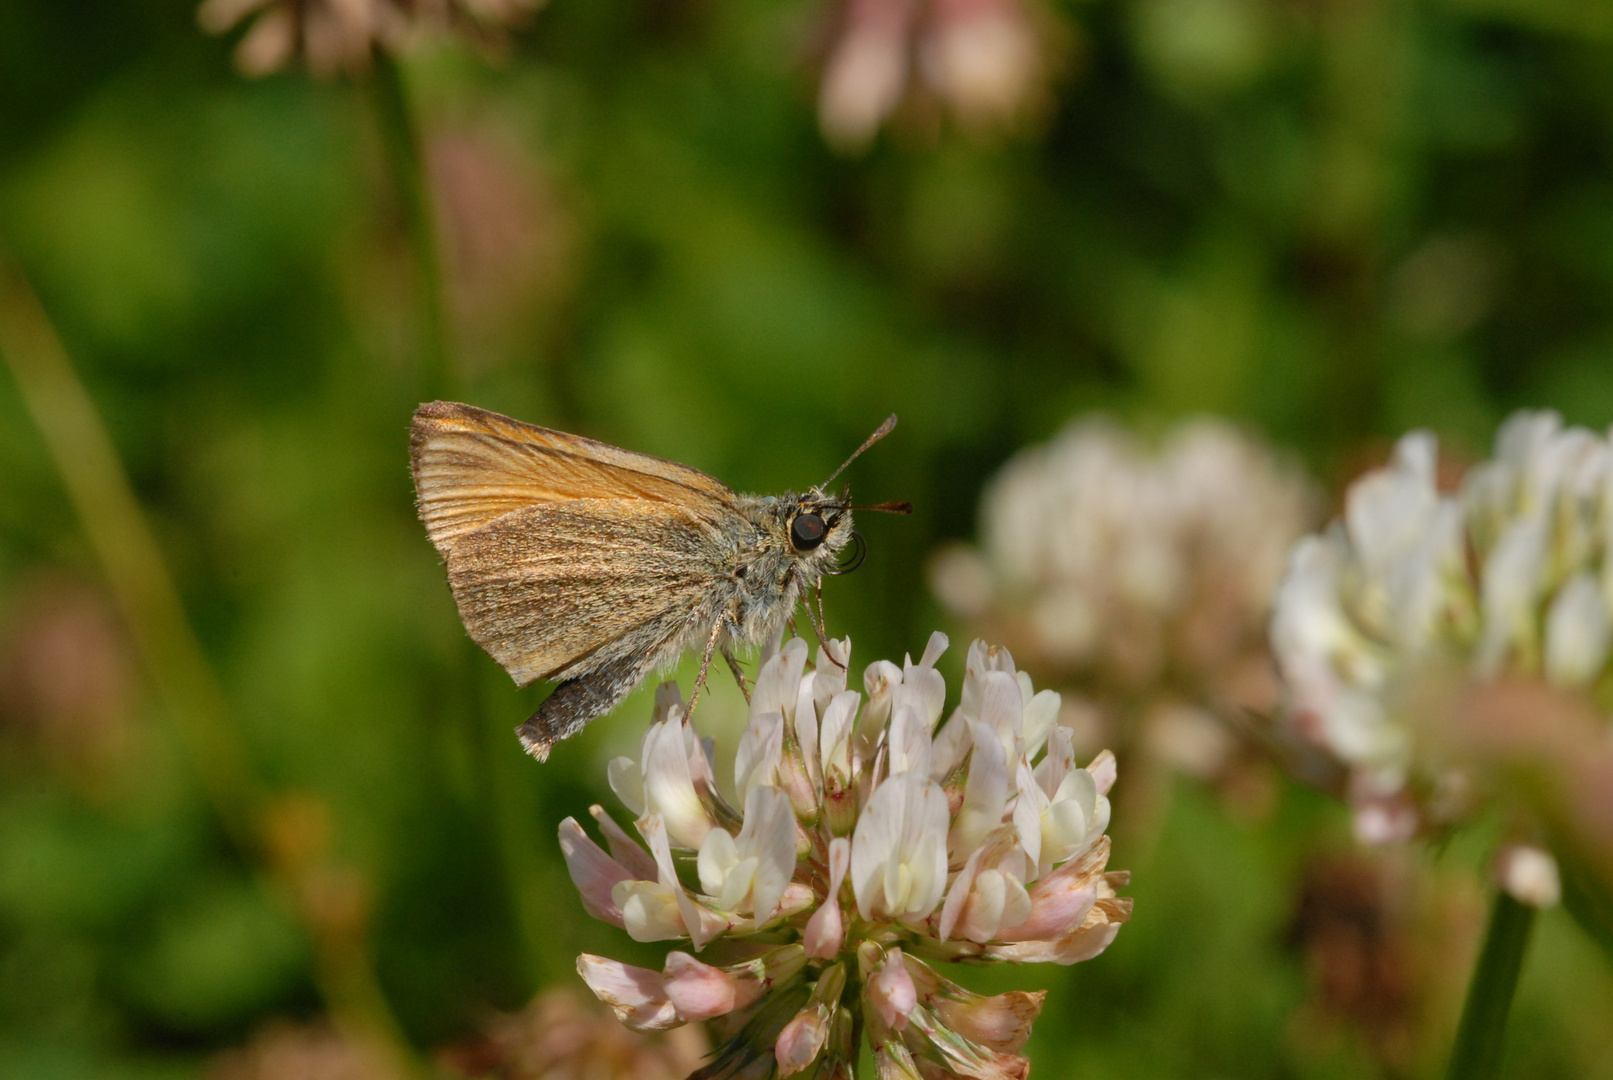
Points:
[807,531]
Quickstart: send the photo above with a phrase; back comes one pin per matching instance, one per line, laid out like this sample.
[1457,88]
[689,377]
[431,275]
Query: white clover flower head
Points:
[1139,576]
[874,842]
[1509,577]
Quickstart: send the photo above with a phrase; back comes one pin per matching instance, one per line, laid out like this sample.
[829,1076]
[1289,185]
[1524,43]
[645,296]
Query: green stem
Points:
[148,597]
[400,138]
[1479,1038]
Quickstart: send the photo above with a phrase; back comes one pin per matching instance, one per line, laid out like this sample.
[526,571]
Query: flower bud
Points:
[801,1040]
[891,991]
[1529,875]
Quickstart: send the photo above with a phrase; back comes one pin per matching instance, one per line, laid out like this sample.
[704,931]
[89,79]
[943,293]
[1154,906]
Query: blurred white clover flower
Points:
[1508,578]
[988,62]
[871,845]
[1141,580]
[339,37]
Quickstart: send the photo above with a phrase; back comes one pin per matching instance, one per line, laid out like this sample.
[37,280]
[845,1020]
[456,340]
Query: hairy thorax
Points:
[767,574]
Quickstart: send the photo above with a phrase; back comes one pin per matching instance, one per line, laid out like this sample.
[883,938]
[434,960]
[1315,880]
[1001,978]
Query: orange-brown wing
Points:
[564,588]
[471,466]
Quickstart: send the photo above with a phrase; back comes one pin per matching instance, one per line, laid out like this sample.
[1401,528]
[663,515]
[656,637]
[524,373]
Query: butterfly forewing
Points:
[565,554]
[557,590]
[472,466]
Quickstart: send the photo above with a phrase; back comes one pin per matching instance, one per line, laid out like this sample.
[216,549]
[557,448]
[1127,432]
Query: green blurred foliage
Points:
[1329,219]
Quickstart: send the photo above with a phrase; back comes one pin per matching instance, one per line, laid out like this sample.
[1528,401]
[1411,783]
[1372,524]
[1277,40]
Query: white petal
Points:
[779,680]
[760,749]
[718,855]
[668,787]
[903,823]
[909,739]
[653,829]
[1041,714]
[985,796]
[1577,633]
[834,736]
[769,837]
[627,781]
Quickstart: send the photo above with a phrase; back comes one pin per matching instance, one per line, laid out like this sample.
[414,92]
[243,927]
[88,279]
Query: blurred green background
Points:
[1329,220]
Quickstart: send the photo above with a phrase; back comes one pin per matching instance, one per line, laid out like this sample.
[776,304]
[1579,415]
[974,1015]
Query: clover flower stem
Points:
[400,138]
[1480,1036]
[137,574]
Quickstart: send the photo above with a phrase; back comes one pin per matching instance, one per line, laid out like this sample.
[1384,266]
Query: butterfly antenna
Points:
[883,430]
[884,507]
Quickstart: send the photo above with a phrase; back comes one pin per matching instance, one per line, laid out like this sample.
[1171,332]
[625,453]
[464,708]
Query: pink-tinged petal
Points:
[826,930]
[802,1039]
[623,848]
[892,992]
[1072,949]
[1001,1022]
[865,73]
[636,995]
[1104,771]
[699,991]
[592,871]
[796,899]
[1058,906]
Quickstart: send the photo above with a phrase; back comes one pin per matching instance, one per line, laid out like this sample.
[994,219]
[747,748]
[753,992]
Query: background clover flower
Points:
[1139,580]
[872,846]
[1419,598]
[339,36]
[988,63]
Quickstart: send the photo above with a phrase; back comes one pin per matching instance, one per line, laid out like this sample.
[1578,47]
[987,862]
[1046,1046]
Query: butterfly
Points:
[579,562]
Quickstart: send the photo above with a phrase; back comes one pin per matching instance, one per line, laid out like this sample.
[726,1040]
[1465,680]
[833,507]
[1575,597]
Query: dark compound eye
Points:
[807,531]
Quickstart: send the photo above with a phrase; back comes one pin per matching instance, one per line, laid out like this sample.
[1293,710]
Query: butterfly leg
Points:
[705,665]
[739,672]
[817,589]
[815,617]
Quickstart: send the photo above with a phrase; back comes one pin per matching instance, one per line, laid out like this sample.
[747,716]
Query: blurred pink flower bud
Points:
[801,1040]
[826,930]
[892,992]
[699,991]
[1530,875]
